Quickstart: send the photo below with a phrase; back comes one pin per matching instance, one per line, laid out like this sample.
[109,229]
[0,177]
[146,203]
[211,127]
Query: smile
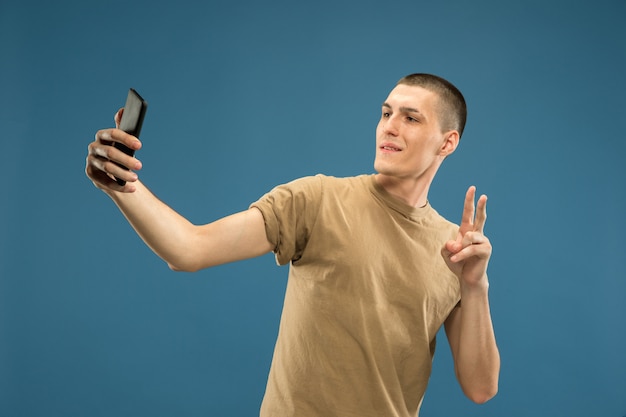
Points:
[388,147]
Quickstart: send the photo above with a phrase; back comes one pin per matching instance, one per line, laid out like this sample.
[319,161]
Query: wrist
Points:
[480,287]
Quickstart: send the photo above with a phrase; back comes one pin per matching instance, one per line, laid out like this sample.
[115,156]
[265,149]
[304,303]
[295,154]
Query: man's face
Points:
[409,139]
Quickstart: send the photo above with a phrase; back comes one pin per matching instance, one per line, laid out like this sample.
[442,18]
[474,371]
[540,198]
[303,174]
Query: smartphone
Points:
[132,120]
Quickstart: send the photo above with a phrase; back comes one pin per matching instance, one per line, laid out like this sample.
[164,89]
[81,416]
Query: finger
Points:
[111,169]
[105,151]
[464,254]
[480,247]
[453,246]
[481,214]
[467,219]
[102,137]
[109,136]
[118,117]
[96,171]
[111,153]
[473,238]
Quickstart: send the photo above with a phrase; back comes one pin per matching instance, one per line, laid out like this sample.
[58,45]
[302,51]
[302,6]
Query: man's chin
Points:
[384,168]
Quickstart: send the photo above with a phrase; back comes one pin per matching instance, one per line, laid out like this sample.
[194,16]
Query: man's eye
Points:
[386,114]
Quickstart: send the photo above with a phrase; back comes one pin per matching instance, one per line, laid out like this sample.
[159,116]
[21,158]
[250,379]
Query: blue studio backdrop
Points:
[247,95]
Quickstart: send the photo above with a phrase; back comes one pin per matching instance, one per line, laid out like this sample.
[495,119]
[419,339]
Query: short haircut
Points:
[452,110]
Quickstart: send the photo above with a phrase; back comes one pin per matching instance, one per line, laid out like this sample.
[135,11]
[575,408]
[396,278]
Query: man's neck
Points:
[411,191]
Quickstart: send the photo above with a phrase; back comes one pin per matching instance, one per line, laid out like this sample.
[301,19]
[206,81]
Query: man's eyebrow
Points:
[403,109]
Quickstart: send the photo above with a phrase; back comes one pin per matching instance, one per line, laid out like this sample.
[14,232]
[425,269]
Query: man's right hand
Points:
[101,167]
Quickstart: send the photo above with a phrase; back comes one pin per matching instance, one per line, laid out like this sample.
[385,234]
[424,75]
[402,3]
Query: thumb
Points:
[452,246]
[118,117]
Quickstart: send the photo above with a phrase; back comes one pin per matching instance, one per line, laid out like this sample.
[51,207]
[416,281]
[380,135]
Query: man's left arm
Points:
[469,328]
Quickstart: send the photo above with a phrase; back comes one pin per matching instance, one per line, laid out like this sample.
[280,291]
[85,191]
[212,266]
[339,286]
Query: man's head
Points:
[420,125]
[451,107]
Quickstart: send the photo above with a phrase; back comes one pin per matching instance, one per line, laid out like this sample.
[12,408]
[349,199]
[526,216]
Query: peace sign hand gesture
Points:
[469,254]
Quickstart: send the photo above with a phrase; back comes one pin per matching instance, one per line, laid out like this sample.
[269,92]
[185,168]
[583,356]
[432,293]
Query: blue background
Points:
[246,95]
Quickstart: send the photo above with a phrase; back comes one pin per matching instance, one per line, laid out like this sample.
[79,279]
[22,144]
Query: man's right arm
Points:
[183,245]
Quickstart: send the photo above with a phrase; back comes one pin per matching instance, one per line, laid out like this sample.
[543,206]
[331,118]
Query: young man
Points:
[375,271]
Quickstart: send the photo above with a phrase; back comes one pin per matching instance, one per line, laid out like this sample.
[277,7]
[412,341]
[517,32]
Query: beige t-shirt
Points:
[367,292]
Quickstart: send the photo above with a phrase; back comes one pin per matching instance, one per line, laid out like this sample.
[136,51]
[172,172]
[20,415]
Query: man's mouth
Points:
[389,147]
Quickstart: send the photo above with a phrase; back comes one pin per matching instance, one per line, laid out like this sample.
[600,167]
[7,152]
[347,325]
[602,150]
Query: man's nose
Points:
[390,126]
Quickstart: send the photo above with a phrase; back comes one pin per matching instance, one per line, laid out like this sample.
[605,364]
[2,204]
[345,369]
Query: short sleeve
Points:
[290,211]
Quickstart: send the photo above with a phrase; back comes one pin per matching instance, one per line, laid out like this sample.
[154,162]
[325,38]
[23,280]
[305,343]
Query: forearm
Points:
[166,232]
[182,245]
[188,247]
[478,359]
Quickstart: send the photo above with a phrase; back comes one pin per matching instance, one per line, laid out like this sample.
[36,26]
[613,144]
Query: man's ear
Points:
[450,142]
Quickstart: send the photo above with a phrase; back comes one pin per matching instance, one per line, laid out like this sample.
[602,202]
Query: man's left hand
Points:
[469,254]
